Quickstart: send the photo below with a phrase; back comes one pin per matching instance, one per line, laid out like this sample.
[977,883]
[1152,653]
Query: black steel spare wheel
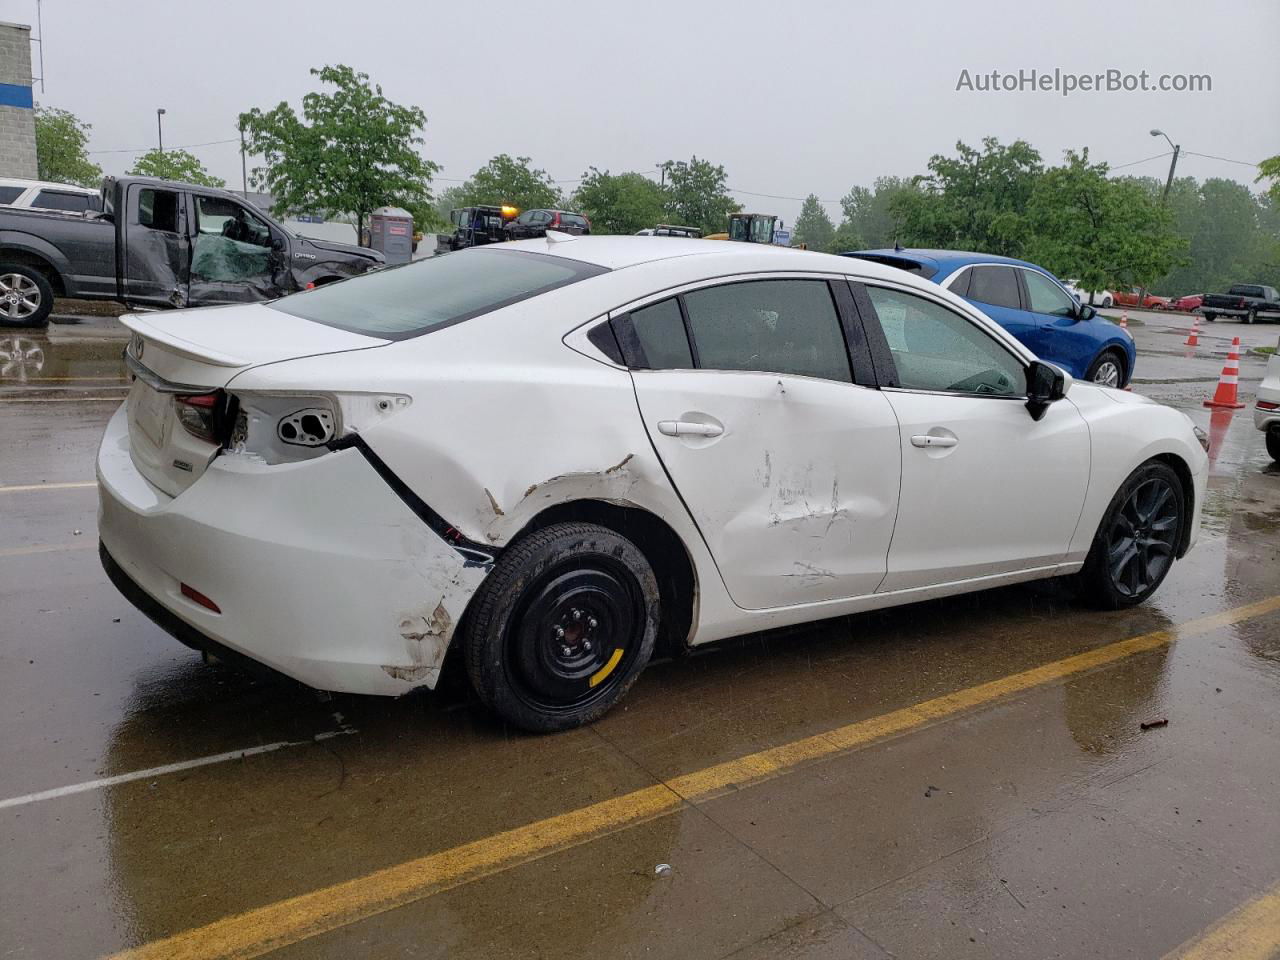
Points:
[1138,540]
[562,626]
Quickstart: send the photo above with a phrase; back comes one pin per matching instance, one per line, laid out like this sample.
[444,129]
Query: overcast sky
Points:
[791,97]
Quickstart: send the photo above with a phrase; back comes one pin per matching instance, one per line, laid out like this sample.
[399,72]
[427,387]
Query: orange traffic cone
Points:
[1193,338]
[1225,396]
[1124,319]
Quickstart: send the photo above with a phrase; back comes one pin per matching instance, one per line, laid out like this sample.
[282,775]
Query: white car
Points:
[44,195]
[560,453]
[1094,298]
[1266,410]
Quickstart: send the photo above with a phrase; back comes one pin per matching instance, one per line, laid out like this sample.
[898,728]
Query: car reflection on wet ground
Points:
[968,777]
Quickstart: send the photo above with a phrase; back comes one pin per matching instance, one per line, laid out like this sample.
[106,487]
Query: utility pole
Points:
[160,127]
[1164,196]
[244,174]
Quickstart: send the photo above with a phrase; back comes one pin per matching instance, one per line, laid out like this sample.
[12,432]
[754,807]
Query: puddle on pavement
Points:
[60,357]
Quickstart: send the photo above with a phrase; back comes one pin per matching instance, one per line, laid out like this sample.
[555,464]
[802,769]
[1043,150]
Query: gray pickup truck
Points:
[1251,301]
[155,244]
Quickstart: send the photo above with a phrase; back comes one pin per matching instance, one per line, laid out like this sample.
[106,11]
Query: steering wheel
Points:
[984,382]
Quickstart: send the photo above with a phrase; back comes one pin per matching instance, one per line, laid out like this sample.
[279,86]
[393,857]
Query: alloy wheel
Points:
[1107,374]
[19,296]
[1140,544]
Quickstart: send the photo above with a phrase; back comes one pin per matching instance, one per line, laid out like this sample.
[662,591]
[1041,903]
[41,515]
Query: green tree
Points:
[698,195]
[174,165]
[973,201]
[1270,170]
[813,227]
[848,238]
[350,152]
[512,181]
[868,213]
[1101,232]
[60,148]
[619,203]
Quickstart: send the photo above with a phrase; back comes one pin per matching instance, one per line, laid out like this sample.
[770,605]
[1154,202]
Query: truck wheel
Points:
[26,296]
[1251,316]
[1210,317]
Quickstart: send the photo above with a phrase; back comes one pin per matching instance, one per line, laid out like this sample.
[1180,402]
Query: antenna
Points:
[40,41]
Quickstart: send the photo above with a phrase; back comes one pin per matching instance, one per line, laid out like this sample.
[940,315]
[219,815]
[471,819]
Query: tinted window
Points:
[10,194]
[56,200]
[937,349]
[902,263]
[997,286]
[776,326]
[158,209]
[406,301]
[573,219]
[1245,290]
[660,330]
[1046,296]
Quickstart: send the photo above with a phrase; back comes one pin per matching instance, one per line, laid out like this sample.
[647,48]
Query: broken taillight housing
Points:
[207,416]
[287,427]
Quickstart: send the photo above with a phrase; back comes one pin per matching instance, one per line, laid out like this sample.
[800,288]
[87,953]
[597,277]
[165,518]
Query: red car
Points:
[1188,304]
[1129,298]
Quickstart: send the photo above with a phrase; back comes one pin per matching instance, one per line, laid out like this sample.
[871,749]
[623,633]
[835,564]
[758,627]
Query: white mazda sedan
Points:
[559,454]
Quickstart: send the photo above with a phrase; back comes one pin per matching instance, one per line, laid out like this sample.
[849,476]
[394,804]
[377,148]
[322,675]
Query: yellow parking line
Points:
[91,544]
[1250,932]
[263,929]
[29,487]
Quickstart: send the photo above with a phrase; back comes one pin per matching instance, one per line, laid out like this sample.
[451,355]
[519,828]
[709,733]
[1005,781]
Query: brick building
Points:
[17,116]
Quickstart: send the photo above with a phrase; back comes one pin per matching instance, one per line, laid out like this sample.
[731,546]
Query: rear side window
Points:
[158,209]
[57,200]
[10,194]
[573,220]
[773,326]
[997,286]
[660,330]
[410,300]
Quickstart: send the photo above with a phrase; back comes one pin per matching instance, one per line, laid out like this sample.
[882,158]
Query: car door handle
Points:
[688,428]
[928,440]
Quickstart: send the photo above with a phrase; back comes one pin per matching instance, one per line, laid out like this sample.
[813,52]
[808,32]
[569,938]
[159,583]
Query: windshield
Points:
[405,301]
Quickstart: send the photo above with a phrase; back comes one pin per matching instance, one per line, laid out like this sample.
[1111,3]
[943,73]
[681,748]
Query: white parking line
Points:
[27,487]
[167,768]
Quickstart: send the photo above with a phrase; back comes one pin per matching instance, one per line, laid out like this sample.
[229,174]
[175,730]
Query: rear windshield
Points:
[573,219]
[405,301]
[1245,290]
[922,270]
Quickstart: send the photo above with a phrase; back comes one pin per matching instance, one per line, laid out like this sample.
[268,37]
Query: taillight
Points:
[1268,405]
[555,220]
[204,415]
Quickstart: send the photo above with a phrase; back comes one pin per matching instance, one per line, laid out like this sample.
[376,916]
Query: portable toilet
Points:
[391,233]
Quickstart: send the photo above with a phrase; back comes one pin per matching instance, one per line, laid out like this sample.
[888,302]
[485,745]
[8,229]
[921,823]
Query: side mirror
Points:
[277,244]
[1086,312]
[1046,384]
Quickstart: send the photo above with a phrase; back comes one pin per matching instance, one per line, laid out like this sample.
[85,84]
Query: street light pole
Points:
[160,127]
[1164,196]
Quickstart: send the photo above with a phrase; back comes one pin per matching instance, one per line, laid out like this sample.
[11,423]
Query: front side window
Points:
[936,349]
[1046,296]
[418,297]
[772,326]
[231,244]
[997,286]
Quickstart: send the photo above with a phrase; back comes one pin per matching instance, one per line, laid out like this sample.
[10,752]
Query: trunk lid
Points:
[196,353]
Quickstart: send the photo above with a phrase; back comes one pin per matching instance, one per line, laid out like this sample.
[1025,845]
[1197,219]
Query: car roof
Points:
[941,258]
[45,185]
[619,252]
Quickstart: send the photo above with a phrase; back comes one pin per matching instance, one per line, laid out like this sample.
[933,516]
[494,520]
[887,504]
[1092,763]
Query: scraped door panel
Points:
[793,481]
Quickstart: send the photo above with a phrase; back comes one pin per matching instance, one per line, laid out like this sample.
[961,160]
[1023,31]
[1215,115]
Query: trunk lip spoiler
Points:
[179,345]
[159,383]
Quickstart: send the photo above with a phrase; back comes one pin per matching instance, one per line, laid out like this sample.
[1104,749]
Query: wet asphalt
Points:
[1044,823]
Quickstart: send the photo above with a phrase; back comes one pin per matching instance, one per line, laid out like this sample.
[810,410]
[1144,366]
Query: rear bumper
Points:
[320,571]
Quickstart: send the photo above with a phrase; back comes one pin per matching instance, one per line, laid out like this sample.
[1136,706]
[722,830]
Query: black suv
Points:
[536,223]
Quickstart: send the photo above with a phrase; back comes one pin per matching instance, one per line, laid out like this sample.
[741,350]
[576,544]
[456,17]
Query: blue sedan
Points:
[1030,303]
